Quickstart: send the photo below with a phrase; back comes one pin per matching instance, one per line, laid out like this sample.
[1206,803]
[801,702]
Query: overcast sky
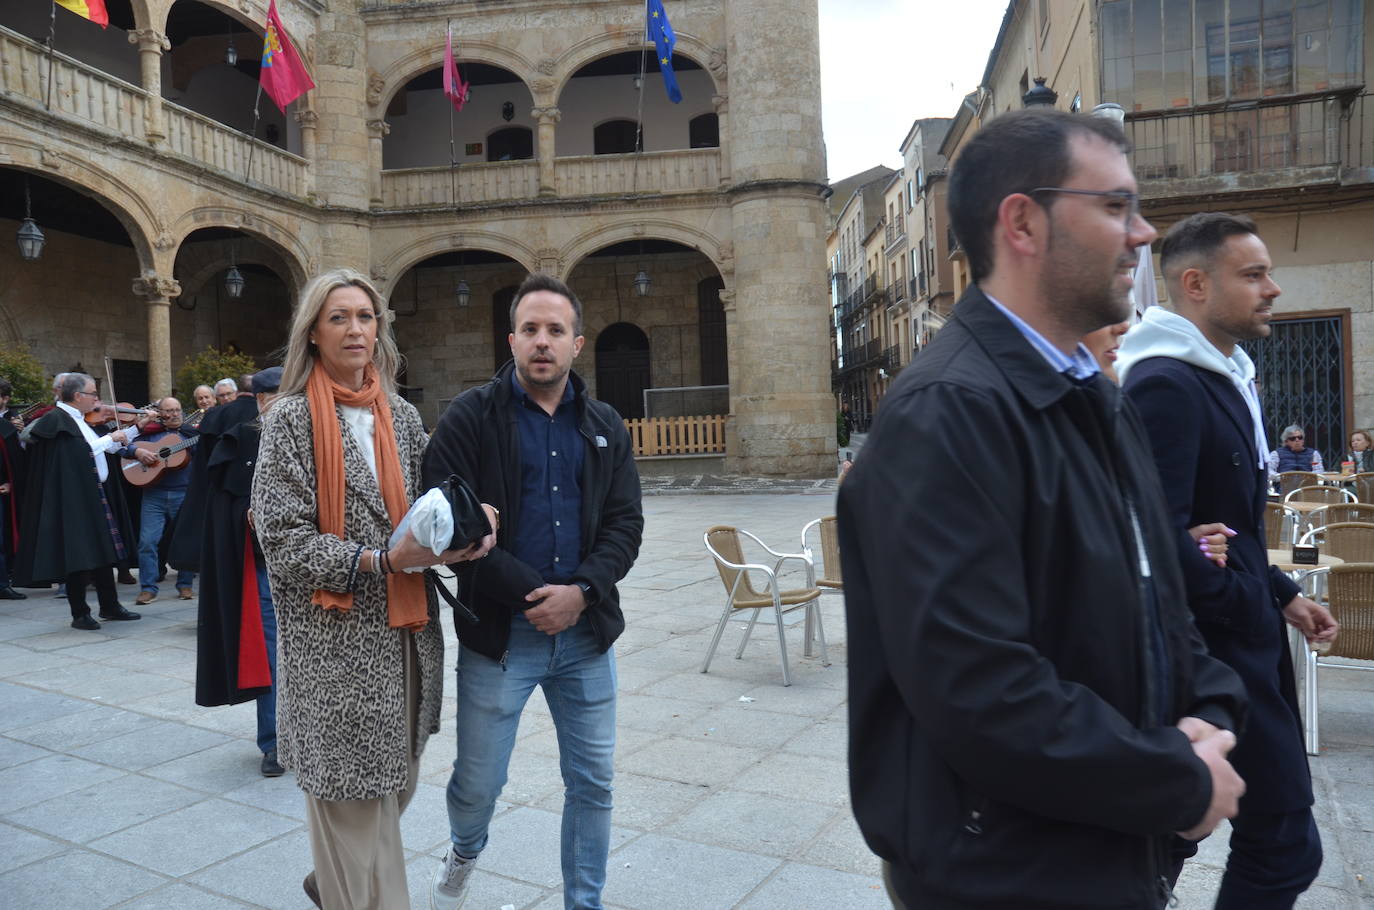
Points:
[885,63]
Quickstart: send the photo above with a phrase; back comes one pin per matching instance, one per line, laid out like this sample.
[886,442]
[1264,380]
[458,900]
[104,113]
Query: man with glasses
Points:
[1294,455]
[1195,389]
[75,523]
[1032,714]
[162,499]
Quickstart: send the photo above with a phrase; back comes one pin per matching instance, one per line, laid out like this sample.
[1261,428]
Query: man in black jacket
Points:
[1032,713]
[1196,394]
[558,467]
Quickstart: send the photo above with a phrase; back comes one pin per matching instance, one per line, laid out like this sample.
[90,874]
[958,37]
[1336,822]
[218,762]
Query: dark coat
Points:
[223,574]
[64,529]
[1204,446]
[12,460]
[185,549]
[478,439]
[1013,688]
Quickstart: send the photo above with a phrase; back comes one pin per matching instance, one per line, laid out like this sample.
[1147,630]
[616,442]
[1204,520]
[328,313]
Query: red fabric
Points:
[254,671]
[283,75]
[454,87]
[93,10]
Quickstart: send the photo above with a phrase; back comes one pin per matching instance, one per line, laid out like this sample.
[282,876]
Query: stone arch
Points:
[588,242]
[395,77]
[404,258]
[606,44]
[278,237]
[249,13]
[107,190]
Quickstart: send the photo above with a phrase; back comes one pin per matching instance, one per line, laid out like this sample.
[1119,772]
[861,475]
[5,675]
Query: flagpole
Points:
[253,134]
[639,113]
[452,147]
[52,35]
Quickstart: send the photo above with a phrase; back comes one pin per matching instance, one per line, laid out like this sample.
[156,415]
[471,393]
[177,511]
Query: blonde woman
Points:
[360,651]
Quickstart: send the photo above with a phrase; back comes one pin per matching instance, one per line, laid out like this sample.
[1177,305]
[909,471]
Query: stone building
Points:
[133,147]
[1256,109]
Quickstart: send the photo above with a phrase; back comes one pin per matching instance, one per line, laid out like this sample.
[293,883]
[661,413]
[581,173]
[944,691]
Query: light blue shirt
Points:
[1082,365]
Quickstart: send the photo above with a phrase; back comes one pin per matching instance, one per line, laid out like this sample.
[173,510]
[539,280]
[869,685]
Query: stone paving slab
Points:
[118,791]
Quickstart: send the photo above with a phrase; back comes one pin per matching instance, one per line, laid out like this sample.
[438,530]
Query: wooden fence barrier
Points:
[702,435]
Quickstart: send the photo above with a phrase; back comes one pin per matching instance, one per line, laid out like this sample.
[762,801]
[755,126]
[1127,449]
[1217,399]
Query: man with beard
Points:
[1032,713]
[1195,390]
[75,524]
[161,500]
[559,468]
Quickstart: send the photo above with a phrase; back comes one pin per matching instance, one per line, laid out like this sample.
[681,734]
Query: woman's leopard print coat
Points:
[341,723]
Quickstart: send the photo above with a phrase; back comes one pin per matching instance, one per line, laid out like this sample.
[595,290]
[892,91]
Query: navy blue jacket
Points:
[1204,447]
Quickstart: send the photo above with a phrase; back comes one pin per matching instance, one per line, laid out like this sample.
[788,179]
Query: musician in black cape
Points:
[237,643]
[11,488]
[75,525]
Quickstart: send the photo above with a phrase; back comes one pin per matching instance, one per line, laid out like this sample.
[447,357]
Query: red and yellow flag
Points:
[283,75]
[93,10]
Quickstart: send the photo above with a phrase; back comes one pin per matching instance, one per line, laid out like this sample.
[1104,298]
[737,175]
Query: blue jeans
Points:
[579,684]
[267,702]
[159,507]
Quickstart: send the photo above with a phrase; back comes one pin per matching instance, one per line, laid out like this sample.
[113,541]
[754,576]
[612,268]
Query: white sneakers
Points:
[450,886]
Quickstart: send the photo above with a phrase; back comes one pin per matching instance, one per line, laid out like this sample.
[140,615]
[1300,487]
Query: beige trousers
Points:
[356,843]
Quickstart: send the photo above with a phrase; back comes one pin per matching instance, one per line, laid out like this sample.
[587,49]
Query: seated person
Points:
[1361,452]
[1294,455]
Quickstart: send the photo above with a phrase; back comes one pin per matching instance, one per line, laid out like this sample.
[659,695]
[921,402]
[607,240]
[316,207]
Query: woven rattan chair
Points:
[1319,494]
[1292,480]
[1352,541]
[830,580]
[1363,486]
[1280,524]
[1341,511]
[1350,592]
[723,543]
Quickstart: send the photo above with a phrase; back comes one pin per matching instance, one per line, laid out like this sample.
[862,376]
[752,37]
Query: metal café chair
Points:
[1363,485]
[1280,524]
[723,543]
[1341,511]
[831,578]
[1350,597]
[1319,494]
[1292,480]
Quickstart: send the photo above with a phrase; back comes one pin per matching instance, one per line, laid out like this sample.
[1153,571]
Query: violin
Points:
[121,414]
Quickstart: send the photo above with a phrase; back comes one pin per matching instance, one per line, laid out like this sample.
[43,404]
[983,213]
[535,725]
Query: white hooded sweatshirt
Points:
[1161,333]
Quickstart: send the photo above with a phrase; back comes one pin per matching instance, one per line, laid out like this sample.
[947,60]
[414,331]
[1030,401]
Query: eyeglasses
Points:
[1291,438]
[91,394]
[1129,201]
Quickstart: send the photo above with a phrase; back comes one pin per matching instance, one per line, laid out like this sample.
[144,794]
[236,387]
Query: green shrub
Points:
[841,431]
[26,374]
[207,368]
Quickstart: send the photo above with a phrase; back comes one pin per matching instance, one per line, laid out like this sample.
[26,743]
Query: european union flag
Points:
[661,34]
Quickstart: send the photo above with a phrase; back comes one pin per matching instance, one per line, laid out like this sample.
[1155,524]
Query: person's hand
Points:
[250,520]
[483,546]
[120,437]
[1227,786]
[1211,540]
[409,554]
[1197,729]
[4,489]
[145,456]
[1310,618]
[17,421]
[559,607]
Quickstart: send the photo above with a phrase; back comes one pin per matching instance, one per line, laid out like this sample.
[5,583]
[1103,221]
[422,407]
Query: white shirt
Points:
[359,422]
[100,445]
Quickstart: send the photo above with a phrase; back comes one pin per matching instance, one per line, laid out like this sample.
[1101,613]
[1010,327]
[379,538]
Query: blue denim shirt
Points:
[548,533]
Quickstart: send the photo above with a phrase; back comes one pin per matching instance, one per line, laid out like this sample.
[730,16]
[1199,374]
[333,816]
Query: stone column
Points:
[377,130]
[307,119]
[335,44]
[783,415]
[158,292]
[722,105]
[548,118]
[151,43]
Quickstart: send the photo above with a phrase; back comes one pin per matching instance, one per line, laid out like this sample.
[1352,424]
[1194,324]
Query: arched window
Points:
[513,143]
[622,368]
[616,137]
[704,132]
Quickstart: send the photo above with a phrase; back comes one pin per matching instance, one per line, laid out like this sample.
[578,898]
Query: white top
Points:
[100,445]
[359,421]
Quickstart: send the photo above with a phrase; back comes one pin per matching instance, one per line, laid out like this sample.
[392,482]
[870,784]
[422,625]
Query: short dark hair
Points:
[538,281]
[1198,237]
[1014,153]
[6,390]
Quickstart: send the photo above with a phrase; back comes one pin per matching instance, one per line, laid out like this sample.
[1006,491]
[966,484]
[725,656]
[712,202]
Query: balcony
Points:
[86,98]
[1260,145]
[895,232]
[868,354]
[682,171]
[896,291]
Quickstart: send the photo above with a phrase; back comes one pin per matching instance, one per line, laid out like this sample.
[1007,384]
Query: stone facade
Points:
[747,212]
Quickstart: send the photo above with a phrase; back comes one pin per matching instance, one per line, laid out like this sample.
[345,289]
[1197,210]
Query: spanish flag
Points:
[93,10]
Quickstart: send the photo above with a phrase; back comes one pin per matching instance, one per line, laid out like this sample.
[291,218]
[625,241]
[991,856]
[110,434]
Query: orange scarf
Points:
[405,593]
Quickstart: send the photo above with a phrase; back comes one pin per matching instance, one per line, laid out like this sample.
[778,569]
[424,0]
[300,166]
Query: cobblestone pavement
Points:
[116,790]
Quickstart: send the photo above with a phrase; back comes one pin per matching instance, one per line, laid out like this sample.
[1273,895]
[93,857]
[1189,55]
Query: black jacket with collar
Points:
[1005,751]
[477,438]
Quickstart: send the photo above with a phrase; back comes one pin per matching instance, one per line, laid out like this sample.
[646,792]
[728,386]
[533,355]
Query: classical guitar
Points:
[171,451]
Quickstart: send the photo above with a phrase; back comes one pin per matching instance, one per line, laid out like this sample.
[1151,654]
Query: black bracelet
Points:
[386,562]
